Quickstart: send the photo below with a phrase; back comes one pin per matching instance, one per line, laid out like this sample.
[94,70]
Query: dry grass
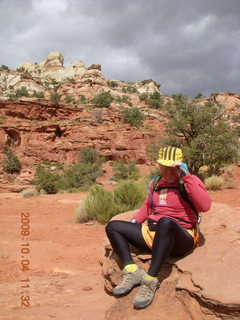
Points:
[214,183]
[81,214]
[28,193]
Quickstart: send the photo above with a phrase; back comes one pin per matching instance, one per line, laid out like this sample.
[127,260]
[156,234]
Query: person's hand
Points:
[133,221]
[182,167]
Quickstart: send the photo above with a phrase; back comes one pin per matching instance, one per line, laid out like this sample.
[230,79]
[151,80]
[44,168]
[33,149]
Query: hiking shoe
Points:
[146,293]
[130,280]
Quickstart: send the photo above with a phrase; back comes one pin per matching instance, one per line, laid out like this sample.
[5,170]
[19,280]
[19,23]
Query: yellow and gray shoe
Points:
[146,293]
[130,280]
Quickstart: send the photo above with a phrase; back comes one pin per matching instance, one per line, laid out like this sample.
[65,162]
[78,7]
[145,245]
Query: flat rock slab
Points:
[206,282]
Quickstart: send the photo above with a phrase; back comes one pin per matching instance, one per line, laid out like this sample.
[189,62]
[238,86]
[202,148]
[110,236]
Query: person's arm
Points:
[142,214]
[197,193]
[195,188]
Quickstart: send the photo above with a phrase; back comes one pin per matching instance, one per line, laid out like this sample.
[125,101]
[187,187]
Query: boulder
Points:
[204,284]
[54,59]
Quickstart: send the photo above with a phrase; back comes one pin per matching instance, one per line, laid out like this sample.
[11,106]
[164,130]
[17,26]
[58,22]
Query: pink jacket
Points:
[169,203]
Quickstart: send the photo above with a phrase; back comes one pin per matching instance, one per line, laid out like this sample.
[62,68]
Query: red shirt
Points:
[169,202]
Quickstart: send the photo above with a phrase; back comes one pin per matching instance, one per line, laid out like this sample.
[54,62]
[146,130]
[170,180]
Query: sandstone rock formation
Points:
[51,72]
[37,129]
[203,285]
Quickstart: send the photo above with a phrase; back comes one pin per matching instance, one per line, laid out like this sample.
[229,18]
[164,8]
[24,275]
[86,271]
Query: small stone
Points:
[87,288]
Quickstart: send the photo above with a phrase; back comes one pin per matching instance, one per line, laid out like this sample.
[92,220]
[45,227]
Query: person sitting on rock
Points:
[171,229]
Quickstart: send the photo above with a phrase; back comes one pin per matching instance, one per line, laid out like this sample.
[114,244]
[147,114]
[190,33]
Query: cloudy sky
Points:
[189,46]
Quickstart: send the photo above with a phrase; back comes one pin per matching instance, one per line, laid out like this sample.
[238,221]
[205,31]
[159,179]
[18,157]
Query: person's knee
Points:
[112,226]
[165,224]
[109,227]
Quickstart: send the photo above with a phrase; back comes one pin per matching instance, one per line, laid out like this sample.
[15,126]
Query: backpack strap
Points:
[181,189]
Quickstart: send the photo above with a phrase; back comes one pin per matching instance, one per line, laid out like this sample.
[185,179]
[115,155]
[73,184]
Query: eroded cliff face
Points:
[37,129]
[42,131]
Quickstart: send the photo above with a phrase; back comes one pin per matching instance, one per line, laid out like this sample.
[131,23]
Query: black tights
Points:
[170,239]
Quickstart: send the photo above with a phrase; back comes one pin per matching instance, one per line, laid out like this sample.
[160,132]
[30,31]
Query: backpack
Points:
[182,192]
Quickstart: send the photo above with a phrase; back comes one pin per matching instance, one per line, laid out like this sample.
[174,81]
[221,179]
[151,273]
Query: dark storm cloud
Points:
[187,46]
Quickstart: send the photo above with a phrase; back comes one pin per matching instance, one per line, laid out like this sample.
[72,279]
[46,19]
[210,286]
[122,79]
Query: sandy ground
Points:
[51,270]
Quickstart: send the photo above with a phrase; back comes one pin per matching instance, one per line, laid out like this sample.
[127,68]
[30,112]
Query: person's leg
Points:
[120,234]
[170,239]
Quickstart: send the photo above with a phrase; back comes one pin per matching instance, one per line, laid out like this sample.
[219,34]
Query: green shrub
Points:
[155,100]
[69,99]
[102,205]
[129,195]
[55,97]
[46,180]
[112,84]
[3,67]
[199,96]
[123,99]
[143,96]
[132,116]
[124,171]
[39,94]
[22,92]
[80,175]
[103,99]
[11,163]
[90,155]
[77,177]
[214,182]
[129,89]
[203,132]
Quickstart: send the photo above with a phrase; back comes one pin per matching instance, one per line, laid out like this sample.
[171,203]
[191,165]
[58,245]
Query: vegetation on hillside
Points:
[76,177]
[102,205]
[202,131]
[11,163]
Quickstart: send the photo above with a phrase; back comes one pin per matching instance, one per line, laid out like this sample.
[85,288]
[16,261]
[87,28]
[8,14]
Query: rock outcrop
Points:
[51,74]
[203,285]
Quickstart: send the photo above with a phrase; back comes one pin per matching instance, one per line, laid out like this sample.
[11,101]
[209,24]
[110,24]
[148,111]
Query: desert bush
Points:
[69,99]
[123,99]
[77,177]
[102,205]
[129,195]
[28,193]
[55,97]
[112,84]
[90,155]
[124,171]
[143,96]
[81,214]
[22,92]
[103,99]
[132,116]
[202,131]
[46,180]
[129,89]
[11,163]
[39,94]
[214,182]
[3,67]
[80,175]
